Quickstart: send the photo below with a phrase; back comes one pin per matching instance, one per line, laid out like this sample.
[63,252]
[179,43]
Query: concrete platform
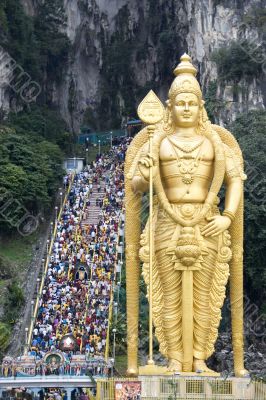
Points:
[196,386]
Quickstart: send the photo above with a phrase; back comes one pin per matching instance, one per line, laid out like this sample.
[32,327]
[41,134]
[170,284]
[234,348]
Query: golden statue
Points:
[188,248]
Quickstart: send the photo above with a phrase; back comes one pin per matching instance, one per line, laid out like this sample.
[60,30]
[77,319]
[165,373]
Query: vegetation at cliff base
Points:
[249,129]
[33,137]
[31,168]
[14,300]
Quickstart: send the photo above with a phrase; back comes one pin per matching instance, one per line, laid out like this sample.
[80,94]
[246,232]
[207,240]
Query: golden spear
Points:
[151,111]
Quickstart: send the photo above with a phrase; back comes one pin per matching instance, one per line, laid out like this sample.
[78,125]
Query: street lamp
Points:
[38,285]
[26,336]
[87,157]
[99,149]
[61,199]
[51,225]
[56,208]
[43,261]
[118,291]
[32,304]
[114,333]
[111,139]
[47,245]
[116,310]
[120,262]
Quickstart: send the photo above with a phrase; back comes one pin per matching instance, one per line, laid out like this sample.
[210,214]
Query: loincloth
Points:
[167,231]
[211,277]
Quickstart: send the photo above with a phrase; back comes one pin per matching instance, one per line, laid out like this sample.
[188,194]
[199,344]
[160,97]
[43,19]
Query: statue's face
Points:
[186,110]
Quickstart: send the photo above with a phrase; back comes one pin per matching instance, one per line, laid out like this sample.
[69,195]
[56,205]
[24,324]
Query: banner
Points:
[128,390]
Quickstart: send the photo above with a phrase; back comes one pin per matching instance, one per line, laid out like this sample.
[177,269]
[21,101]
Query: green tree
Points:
[13,178]
[38,44]
[256,17]
[212,103]
[13,303]
[5,333]
[42,121]
[18,37]
[249,129]
[30,170]
[238,60]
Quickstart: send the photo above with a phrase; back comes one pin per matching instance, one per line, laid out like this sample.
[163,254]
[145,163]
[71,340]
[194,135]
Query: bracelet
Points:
[229,214]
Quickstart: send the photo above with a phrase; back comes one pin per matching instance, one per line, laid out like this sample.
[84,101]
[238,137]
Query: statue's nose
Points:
[186,107]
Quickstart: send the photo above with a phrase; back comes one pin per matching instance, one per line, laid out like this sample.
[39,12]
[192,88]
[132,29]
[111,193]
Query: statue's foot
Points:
[200,366]
[242,373]
[174,365]
[132,372]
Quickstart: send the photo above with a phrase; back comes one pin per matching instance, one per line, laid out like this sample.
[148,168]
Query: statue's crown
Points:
[185,66]
[185,81]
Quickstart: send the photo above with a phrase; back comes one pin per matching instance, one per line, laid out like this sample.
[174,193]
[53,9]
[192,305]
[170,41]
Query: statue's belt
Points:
[167,232]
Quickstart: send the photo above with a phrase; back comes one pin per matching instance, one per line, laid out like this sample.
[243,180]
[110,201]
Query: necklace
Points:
[187,148]
[188,166]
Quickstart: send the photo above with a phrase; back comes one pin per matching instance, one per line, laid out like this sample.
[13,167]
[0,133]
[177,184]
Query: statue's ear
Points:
[168,103]
[202,102]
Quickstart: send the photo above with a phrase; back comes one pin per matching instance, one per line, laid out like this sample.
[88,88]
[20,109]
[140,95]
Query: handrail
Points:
[109,323]
[77,227]
[34,316]
[80,220]
[87,299]
[110,316]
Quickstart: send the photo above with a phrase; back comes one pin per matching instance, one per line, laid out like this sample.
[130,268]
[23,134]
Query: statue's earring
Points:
[168,116]
[203,118]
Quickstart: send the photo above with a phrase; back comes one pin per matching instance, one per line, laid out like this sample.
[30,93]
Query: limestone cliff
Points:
[122,48]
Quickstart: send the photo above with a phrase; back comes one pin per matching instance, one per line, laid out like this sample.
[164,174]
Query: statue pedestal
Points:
[151,370]
[194,386]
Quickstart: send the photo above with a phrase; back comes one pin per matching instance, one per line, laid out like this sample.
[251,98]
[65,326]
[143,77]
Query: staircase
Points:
[93,211]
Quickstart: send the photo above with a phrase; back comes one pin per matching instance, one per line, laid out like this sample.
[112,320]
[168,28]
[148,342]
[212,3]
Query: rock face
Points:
[212,25]
[120,49]
[254,356]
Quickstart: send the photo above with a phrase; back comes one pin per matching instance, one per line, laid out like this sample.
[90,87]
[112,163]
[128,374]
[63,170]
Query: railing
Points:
[110,316]
[109,323]
[104,137]
[37,382]
[44,273]
[181,388]
[30,371]
[260,390]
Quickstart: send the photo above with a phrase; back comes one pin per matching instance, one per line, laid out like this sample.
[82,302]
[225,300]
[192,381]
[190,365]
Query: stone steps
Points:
[93,211]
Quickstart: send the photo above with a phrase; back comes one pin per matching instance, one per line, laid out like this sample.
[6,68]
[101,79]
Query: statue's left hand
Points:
[218,224]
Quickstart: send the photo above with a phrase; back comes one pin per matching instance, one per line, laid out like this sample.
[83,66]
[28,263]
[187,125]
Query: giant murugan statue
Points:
[195,247]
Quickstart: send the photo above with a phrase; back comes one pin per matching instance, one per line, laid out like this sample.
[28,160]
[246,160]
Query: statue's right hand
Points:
[145,164]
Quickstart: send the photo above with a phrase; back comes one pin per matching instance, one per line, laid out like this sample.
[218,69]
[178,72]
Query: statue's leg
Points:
[172,285]
[202,313]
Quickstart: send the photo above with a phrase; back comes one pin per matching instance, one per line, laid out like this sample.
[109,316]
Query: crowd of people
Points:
[82,265]
[46,394]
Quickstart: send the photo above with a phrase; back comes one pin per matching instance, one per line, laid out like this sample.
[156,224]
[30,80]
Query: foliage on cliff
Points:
[33,140]
[37,43]
[30,170]
[238,60]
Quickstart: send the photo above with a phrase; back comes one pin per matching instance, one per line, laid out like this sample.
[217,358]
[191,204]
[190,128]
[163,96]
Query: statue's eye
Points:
[193,103]
[180,103]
